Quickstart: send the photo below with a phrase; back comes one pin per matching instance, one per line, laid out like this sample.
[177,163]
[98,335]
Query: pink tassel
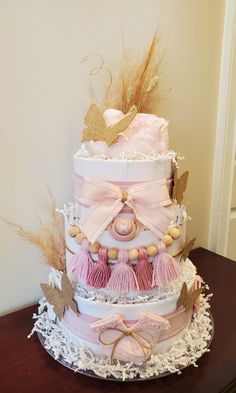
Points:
[81,263]
[123,278]
[100,274]
[165,267]
[143,271]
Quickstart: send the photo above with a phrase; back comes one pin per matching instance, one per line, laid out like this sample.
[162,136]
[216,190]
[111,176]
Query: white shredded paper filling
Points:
[184,352]
[130,155]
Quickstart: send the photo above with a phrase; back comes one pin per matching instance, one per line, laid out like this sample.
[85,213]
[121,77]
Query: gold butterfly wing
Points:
[180,186]
[68,293]
[91,135]
[124,122]
[54,297]
[50,293]
[183,296]
[112,133]
[66,287]
[175,178]
[183,180]
[59,309]
[94,118]
[73,305]
[109,136]
[187,248]
[193,296]
[97,129]
[95,122]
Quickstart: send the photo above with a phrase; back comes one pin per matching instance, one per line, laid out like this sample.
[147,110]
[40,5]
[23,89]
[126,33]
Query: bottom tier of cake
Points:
[178,352]
[137,335]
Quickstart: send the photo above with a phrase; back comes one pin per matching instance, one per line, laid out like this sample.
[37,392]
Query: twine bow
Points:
[134,333]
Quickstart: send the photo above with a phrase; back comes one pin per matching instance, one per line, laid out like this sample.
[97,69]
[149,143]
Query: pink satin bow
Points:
[150,202]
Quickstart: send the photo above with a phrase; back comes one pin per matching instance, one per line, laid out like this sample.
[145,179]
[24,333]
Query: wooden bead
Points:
[112,253]
[93,248]
[133,254]
[124,196]
[174,232]
[73,231]
[80,237]
[152,250]
[168,240]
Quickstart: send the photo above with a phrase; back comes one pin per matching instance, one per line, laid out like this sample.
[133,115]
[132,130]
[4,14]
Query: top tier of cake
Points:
[123,202]
[123,210]
[145,137]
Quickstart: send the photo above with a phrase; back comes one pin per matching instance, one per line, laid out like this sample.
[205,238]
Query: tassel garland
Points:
[123,278]
[100,274]
[165,267]
[81,263]
[144,271]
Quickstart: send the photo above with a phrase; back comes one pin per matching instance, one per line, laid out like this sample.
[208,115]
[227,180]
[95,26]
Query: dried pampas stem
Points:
[49,239]
[138,82]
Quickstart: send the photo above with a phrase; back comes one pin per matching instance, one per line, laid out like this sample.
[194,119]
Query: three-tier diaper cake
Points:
[128,303]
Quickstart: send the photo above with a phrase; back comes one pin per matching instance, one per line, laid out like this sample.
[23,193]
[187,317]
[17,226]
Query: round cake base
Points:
[185,352]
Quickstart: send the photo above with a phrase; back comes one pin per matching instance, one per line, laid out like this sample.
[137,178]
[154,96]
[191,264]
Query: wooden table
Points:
[25,366]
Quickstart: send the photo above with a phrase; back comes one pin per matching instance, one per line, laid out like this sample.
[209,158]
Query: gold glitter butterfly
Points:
[97,129]
[187,248]
[180,185]
[188,298]
[60,299]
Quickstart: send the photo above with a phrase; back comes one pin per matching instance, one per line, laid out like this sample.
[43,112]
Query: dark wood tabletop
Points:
[25,366]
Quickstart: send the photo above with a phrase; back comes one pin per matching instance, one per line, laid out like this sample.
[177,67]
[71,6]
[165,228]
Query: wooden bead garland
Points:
[133,253]
[143,267]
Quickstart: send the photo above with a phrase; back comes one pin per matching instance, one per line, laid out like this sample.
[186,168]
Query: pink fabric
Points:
[79,325]
[150,202]
[79,181]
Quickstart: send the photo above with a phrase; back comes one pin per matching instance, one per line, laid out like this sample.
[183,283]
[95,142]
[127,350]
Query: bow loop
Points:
[150,202]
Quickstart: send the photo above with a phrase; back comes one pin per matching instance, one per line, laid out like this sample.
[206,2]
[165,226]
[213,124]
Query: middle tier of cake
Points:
[93,210]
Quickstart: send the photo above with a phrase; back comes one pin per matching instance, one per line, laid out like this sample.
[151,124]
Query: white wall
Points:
[43,96]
